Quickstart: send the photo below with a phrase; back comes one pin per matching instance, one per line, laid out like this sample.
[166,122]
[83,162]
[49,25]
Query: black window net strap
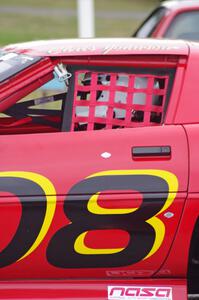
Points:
[25,106]
[22,110]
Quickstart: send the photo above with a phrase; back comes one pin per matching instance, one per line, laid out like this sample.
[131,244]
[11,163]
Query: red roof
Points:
[109,46]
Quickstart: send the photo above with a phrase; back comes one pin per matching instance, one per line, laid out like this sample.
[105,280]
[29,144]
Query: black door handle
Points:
[152,151]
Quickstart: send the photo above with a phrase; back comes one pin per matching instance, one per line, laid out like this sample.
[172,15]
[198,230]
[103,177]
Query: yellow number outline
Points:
[154,221]
[50,194]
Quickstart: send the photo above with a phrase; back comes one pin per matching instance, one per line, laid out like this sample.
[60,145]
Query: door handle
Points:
[151,151]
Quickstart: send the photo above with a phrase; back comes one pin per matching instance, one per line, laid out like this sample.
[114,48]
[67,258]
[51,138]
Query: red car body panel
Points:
[167,20]
[120,205]
[102,47]
[92,289]
[76,147]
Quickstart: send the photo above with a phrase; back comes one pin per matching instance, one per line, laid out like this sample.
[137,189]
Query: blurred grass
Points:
[20,26]
[40,3]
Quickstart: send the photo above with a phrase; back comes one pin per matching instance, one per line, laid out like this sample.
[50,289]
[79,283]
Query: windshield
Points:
[12,63]
[151,23]
[184,26]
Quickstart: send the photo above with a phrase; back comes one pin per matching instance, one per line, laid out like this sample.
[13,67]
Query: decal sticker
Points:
[144,229]
[139,293]
[35,221]
[106,155]
[129,273]
[139,47]
[98,236]
[169,215]
[114,48]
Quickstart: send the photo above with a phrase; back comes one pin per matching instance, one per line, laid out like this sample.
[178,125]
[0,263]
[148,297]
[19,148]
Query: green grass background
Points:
[19,27]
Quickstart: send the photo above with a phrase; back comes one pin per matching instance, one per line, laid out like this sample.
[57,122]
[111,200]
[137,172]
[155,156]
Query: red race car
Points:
[99,169]
[173,20]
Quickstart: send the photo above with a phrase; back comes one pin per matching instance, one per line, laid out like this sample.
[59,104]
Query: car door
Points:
[92,203]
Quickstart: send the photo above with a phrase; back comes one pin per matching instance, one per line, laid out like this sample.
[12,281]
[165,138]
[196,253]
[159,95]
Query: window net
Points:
[117,100]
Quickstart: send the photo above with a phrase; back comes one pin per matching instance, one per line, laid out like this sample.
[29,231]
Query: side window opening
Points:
[40,111]
[92,98]
[117,99]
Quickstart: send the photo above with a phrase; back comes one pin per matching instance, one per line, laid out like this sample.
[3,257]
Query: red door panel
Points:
[183,260]
[91,204]
[94,289]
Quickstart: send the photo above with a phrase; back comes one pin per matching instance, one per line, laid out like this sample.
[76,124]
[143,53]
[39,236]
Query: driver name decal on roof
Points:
[114,48]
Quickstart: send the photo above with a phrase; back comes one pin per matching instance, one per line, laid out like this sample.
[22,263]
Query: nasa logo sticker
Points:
[139,293]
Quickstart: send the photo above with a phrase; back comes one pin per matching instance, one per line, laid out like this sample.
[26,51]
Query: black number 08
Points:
[67,248]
